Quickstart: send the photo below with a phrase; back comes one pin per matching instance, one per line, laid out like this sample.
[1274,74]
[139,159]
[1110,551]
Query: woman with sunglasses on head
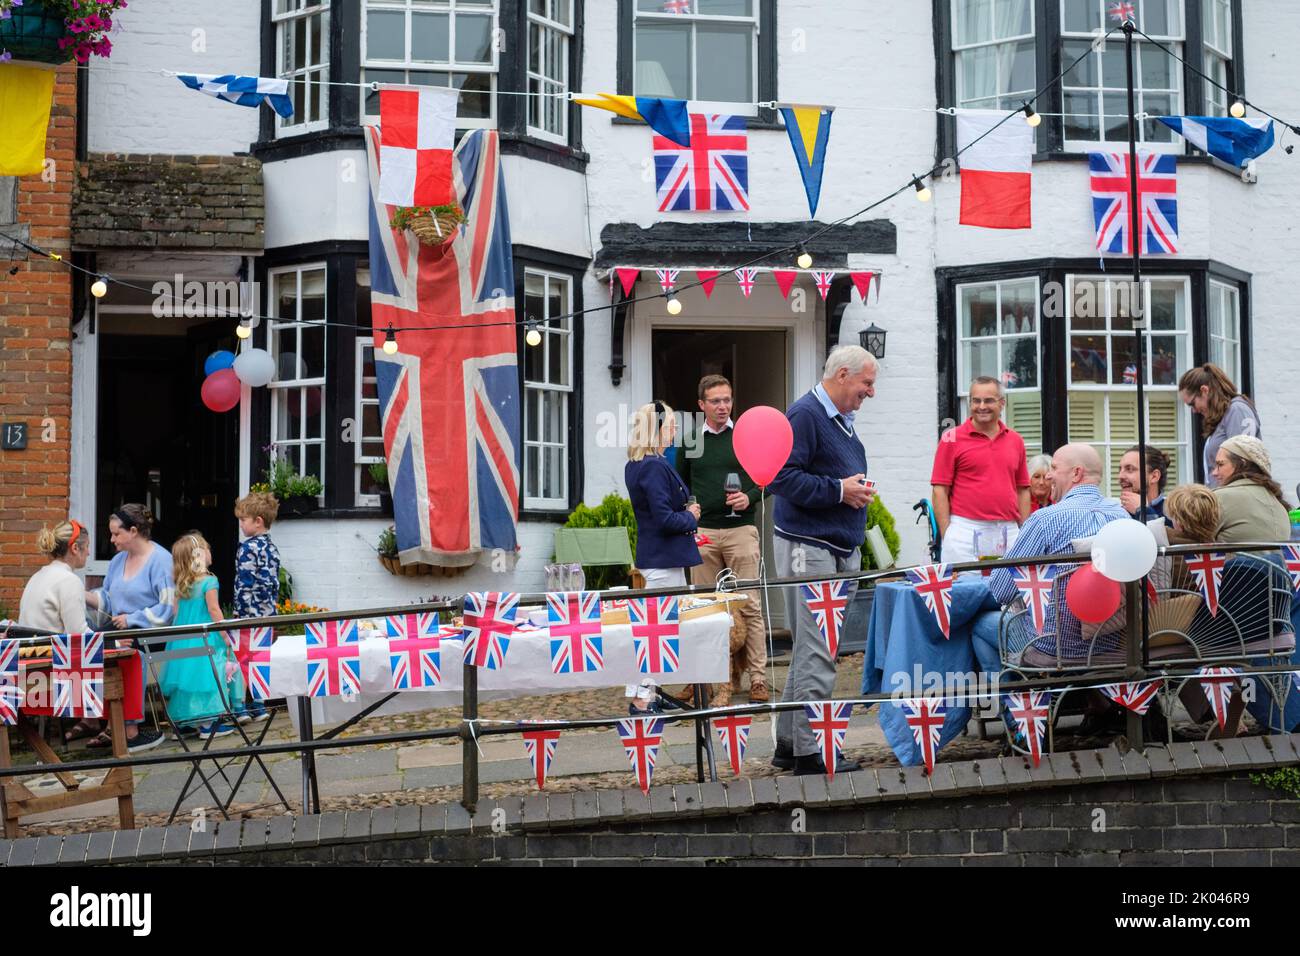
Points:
[1224,411]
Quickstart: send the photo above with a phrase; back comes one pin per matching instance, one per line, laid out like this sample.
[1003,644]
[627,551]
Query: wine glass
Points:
[731,486]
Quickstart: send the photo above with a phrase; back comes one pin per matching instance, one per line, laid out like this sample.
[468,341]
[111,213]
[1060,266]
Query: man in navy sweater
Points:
[820,521]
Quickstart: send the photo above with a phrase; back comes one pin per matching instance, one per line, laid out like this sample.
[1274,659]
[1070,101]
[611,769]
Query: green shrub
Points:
[388,542]
[286,584]
[615,511]
[878,516]
[379,474]
[1286,780]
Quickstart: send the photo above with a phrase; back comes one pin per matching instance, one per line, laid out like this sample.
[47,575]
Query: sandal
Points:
[80,730]
[101,741]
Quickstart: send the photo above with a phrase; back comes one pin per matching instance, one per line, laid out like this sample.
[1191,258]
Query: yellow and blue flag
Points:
[665,116]
[26,93]
[809,128]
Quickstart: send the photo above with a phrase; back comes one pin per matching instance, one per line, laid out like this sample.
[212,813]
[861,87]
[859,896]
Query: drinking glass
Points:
[731,486]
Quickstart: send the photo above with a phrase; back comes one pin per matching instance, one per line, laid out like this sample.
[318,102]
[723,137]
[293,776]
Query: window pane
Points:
[1020,67]
[531,415]
[1020,363]
[1165,311]
[315,55]
[473,39]
[1158,19]
[1080,16]
[1088,308]
[1081,119]
[313,352]
[312,461]
[562,11]
[979,78]
[1088,359]
[981,358]
[1157,104]
[1019,307]
[725,8]
[559,359]
[534,362]
[315,402]
[431,37]
[979,311]
[475,95]
[1164,360]
[1084,72]
[380,76]
[385,35]
[974,21]
[532,480]
[1157,68]
[557,55]
[1115,106]
[1123,368]
[663,60]
[370,425]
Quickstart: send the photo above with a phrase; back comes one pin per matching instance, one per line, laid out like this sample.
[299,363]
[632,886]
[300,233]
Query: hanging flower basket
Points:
[395,566]
[432,225]
[33,31]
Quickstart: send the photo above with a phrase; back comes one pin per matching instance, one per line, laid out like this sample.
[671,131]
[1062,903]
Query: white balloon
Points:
[1124,550]
[255,367]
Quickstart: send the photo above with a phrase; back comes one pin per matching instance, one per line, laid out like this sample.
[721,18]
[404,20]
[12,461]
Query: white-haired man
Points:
[820,521]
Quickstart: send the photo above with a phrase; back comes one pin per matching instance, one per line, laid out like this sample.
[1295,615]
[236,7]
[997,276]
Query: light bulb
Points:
[533,337]
[390,347]
[243,330]
[805,261]
[674,306]
[1032,118]
[1238,109]
[923,192]
[99,288]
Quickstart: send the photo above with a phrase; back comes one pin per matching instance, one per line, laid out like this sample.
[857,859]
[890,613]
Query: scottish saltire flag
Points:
[709,175]
[934,584]
[829,721]
[1219,684]
[243,90]
[10,688]
[1234,141]
[925,717]
[574,620]
[809,129]
[333,658]
[733,732]
[1207,569]
[1035,586]
[656,633]
[415,654]
[828,601]
[1157,206]
[540,745]
[1030,711]
[489,617]
[449,399]
[253,652]
[77,675]
[1291,556]
[1135,696]
[746,278]
[641,739]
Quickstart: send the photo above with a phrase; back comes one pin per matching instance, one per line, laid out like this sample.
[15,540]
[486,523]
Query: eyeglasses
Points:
[985,401]
[1191,403]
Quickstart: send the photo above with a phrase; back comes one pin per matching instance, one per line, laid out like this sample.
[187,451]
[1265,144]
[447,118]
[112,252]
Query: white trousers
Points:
[655,578]
[959,539]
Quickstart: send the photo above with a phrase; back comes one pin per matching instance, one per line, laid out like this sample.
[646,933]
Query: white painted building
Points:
[582,200]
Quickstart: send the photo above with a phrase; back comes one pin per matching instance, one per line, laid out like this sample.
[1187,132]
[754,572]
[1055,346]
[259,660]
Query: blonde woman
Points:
[1040,482]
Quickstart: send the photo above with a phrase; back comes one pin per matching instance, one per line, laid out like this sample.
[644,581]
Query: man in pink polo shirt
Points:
[980,482]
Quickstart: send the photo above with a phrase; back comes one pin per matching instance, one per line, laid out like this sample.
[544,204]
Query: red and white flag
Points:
[1218,684]
[733,731]
[417,132]
[746,278]
[1136,696]
[707,277]
[996,178]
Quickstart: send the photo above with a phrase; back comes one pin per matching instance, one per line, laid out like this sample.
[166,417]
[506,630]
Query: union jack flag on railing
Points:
[10,688]
[1135,696]
[733,732]
[934,584]
[1207,568]
[489,617]
[78,675]
[641,739]
[574,619]
[925,716]
[656,626]
[1219,683]
[828,601]
[540,746]
[333,658]
[829,722]
[1030,711]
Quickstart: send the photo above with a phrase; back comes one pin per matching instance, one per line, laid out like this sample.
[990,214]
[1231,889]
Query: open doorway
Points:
[755,362]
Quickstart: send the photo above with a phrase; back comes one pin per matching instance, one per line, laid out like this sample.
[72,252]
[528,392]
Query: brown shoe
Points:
[758,693]
[722,695]
[687,694]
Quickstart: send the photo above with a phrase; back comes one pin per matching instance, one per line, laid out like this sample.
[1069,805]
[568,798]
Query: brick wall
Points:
[36,361]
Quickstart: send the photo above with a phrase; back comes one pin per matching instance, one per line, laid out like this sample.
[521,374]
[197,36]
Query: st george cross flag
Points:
[823,280]
[668,278]
[996,169]
[641,739]
[1030,711]
[77,674]
[243,90]
[449,398]
[709,175]
[828,601]
[1035,586]
[574,618]
[1207,569]
[252,649]
[1136,696]
[414,651]
[418,128]
[656,633]
[10,687]
[925,716]
[746,278]
[733,731]
[829,721]
[934,584]
[489,617]
[1157,202]
[1226,138]
[1219,684]
[1291,555]
[809,129]
[540,746]
[333,658]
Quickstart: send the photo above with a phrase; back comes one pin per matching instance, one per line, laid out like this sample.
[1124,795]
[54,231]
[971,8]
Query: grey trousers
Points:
[812,672]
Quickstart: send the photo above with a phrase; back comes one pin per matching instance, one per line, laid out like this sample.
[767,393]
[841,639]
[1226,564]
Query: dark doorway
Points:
[756,364]
[158,444]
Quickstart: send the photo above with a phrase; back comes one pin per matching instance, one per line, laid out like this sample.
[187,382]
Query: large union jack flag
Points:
[78,675]
[656,629]
[711,174]
[449,399]
[925,716]
[1207,568]
[10,688]
[733,731]
[641,739]
[934,584]
[1157,202]
[1219,684]
[540,746]
[333,658]
[574,619]
[1035,586]
[489,617]
[1030,711]
[829,721]
[828,600]
[1291,556]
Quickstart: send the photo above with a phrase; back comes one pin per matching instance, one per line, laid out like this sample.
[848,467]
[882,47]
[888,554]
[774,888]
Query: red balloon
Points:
[762,442]
[1091,596]
[221,390]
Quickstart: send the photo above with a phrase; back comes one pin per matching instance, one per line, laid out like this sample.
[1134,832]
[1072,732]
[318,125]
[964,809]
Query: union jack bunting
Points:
[668,278]
[925,716]
[540,745]
[574,618]
[1030,711]
[1207,568]
[489,617]
[829,722]
[1121,11]
[746,278]
[1291,555]
[677,6]
[252,649]
[1136,696]
[415,661]
[1157,205]
[656,634]
[78,675]
[823,280]
[413,627]
[709,175]
[641,739]
[733,731]
[934,584]
[333,658]
[828,601]
[10,688]
[1035,586]
[1218,684]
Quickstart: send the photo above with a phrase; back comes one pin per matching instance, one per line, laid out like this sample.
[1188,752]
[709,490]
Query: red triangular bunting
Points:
[862,282]
[784,280]
[707,277]
[628,279]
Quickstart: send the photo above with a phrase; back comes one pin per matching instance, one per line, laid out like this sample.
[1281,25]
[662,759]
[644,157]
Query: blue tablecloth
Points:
[906,651]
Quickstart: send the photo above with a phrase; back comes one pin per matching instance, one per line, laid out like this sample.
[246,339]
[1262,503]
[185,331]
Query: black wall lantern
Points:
[872,339]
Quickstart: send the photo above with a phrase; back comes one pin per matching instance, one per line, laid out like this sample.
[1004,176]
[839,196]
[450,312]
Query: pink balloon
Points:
[221,390]
[1091,596]
[763,441]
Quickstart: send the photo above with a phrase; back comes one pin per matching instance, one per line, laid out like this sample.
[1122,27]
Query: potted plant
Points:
[298,494]
[388,557]
[858,614]
[379,475]
[54,31]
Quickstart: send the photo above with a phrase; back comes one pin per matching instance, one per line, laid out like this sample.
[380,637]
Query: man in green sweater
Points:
[727,521]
